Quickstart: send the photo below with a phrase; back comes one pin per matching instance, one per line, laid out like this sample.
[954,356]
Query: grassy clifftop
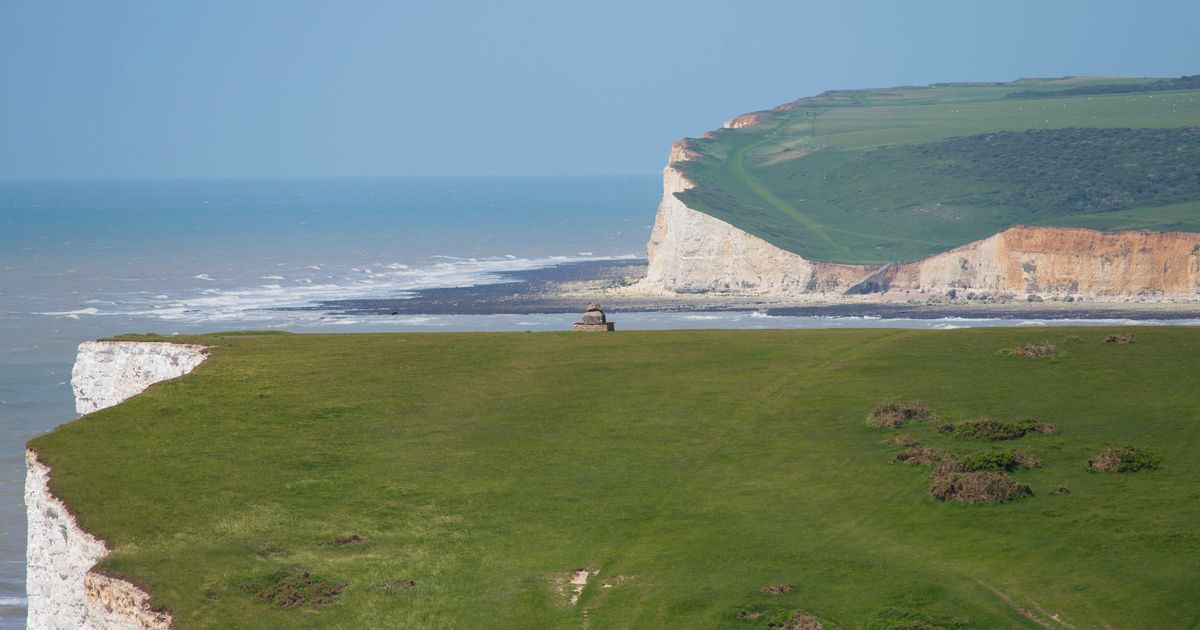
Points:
[876,176]
[462,480]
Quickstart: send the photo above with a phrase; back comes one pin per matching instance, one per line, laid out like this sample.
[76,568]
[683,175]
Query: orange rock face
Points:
[1058,261]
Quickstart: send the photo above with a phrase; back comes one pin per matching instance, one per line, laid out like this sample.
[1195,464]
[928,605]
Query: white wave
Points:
[91,310]
[272,278]
[203,276]
[301,301]
[13,601]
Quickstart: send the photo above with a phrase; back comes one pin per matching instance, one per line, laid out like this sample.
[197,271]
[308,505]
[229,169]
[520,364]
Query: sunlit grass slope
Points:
[690,469]
[867,176]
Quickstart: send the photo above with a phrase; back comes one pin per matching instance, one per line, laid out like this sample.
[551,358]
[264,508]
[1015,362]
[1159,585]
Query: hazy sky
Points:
[163,88]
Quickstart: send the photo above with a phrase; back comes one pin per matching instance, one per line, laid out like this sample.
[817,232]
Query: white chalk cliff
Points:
[63,590]
[693,252]
[107,372]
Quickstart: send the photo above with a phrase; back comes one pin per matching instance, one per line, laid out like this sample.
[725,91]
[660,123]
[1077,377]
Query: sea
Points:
[81,260]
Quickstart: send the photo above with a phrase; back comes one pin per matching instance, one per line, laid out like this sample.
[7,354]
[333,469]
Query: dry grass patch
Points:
[797,620]
[893,413]
[1042,350]
[978,487]
[923,456]
[777,589]
[901,439]
[1127,459]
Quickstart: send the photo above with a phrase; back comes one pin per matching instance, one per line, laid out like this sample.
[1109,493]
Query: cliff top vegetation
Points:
[886,175]
[660,479]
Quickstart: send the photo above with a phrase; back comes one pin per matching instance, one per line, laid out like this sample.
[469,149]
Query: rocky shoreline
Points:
[565,288]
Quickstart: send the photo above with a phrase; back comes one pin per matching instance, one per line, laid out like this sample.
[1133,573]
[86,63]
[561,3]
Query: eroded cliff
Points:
[62,588]
[692,252]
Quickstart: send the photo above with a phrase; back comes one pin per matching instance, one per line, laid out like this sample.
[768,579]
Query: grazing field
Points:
[877,176]
[686,479]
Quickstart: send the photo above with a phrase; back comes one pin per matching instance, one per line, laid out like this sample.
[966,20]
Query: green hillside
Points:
[877,176]
[454,480]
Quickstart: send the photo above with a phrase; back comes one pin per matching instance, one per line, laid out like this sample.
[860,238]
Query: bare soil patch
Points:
[291,587]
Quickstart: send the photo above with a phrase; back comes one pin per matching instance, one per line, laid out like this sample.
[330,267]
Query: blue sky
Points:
[125,89]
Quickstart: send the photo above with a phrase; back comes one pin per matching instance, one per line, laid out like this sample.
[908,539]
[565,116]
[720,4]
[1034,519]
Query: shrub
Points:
[795,620]
[977,487]
[1127,459]
[893,413]
[998,460]
[1119,339]
[923,456]
[777,589]
[901,439]
[1036,350]
[994,429]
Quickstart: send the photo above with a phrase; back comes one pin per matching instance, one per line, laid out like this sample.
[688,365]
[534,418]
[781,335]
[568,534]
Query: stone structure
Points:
[593,320]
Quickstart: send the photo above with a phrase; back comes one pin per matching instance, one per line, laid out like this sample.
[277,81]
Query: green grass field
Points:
[689,468]
[809,180]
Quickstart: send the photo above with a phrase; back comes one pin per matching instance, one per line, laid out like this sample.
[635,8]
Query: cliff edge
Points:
[63,589]
[693,252]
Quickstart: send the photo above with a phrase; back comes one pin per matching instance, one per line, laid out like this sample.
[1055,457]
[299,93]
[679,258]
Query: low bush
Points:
[1127,459]
[776,589]
[923,456]
[893,413]
[977,487]
[998,460]
[1036,350]
[994,429]
[795,620]
[1119,339]
[984,461]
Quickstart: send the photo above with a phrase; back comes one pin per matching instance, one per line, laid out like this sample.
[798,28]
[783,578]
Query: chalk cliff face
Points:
[693,252]
[1061,261]
[107,372]
[62,589]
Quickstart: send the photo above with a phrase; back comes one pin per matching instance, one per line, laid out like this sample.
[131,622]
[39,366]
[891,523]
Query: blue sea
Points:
[82,260]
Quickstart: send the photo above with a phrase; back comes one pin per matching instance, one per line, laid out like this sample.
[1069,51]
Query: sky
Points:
[296,88]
